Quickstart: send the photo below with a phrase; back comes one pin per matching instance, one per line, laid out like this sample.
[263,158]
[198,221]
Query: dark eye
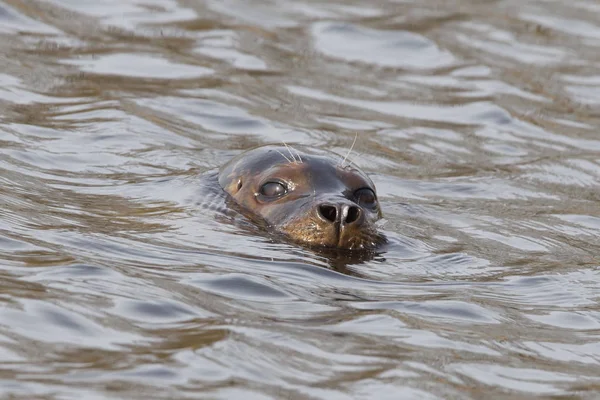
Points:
[366,197]
[273,189]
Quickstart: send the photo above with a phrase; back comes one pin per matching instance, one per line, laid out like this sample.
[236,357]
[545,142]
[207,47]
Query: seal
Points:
[307,194]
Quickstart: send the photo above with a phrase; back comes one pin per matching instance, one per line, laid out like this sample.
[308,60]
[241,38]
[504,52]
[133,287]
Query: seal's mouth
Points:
[312,232]
[361,241]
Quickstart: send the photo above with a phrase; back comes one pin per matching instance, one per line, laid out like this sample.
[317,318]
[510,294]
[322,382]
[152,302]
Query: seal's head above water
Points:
[306,194]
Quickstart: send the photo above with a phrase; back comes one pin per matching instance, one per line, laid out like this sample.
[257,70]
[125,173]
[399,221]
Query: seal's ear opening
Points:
[239,185]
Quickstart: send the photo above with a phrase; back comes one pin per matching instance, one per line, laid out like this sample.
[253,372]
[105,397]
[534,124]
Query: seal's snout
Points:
[344,224]
[343,213]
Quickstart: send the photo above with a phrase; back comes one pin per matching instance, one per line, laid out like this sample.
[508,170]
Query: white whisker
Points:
[350,151]
[298,154]
[351,160]
[283,155]
[288,147]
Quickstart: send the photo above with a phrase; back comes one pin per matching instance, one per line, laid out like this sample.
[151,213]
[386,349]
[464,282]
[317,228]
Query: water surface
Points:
[477,120]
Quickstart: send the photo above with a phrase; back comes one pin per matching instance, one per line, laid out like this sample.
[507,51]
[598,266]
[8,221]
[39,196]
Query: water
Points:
[478,122]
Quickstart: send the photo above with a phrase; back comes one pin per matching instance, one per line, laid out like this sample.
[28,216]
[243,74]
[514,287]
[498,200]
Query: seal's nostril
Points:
[352,214]
[328,212]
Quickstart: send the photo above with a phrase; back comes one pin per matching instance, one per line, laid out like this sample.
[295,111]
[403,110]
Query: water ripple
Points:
[125,274]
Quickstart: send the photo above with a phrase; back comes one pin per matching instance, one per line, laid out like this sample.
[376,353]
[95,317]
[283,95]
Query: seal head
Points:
[306,194]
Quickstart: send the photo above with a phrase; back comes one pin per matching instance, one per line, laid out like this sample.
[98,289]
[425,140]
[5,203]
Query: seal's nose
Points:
[345,214]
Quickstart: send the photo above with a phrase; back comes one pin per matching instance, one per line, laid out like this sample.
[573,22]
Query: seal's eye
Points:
[273,189]
[366,197]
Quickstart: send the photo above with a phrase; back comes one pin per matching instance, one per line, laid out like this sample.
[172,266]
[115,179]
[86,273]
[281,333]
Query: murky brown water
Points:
[478,120]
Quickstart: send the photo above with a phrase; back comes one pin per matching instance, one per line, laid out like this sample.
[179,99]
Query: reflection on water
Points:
[123,277]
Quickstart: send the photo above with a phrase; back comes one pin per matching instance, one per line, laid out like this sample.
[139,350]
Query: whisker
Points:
[351,160]
[288,147]
[350,151]
[298,154]
[283,155]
